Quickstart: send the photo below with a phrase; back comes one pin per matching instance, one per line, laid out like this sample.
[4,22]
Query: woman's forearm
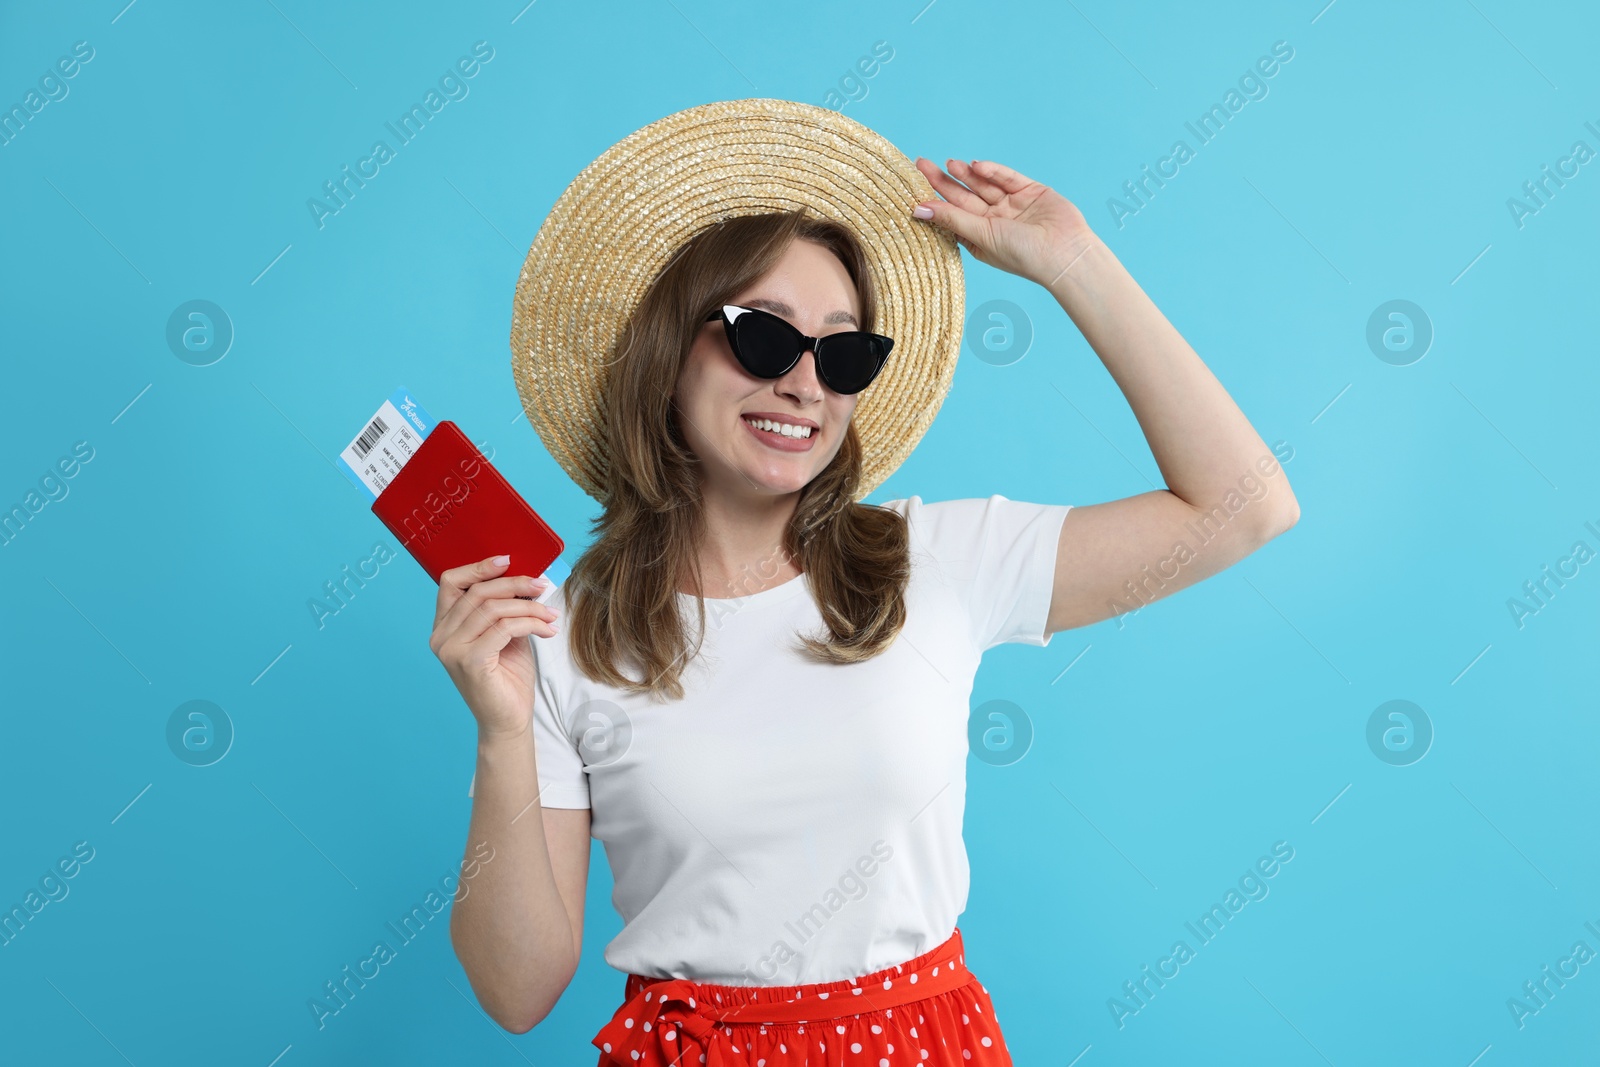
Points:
[1200,439]
[510,928]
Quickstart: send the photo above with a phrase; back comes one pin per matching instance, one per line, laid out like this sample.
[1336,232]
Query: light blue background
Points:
[1177,749]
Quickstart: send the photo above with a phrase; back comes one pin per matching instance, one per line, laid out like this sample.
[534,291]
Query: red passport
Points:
[449,506]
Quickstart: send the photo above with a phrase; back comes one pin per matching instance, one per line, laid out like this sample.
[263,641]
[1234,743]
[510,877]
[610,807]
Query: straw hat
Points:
[625,215]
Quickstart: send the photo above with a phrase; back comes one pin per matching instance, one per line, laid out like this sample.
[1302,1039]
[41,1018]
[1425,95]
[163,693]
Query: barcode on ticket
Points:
[385,444]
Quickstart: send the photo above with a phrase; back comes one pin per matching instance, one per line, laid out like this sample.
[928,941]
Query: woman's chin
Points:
[779,479]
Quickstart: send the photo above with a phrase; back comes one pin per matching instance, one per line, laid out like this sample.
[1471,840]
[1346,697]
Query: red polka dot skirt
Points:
[927,1012]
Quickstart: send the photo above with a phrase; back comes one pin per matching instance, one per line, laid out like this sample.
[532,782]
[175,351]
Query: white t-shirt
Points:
[791,821]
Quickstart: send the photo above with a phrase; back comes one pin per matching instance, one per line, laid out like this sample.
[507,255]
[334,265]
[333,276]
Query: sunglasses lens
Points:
[852,362]
[765,346]
[762,345]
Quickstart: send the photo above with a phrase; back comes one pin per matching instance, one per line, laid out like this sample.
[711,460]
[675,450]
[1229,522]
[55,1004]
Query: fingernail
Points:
[922,212]
[501,561]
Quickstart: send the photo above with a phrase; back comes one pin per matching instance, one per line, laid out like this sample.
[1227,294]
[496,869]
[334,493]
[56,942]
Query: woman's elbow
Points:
[1290,516]
[517,1026]
[511,1012]
[513,1018]
[1283,514]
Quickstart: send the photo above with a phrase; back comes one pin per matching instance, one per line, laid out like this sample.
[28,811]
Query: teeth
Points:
[787,429]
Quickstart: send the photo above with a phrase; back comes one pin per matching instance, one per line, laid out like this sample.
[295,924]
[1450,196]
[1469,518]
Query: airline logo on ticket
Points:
[390,439]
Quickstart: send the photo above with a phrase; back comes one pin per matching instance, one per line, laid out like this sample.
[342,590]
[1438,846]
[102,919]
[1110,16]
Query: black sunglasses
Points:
[769,347]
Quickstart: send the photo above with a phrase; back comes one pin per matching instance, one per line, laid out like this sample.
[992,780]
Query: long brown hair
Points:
[622,595]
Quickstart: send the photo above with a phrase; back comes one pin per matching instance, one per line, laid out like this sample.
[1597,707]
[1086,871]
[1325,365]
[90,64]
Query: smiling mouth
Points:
[781,429]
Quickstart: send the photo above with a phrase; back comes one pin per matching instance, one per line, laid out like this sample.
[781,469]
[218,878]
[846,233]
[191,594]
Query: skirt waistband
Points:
[672,1011]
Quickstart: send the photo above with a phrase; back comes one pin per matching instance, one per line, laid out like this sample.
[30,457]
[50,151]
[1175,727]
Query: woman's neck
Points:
[742,551]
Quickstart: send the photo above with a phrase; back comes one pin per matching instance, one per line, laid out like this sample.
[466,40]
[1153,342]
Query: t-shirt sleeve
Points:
[999,558]
[562,780]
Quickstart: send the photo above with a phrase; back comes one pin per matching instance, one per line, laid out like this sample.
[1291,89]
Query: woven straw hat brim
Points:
[624,216]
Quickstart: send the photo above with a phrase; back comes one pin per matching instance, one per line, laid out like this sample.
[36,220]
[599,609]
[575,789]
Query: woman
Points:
[759,701]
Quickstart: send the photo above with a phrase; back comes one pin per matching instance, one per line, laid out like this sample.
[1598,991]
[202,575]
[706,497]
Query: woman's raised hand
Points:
[1007,220]
[478,628]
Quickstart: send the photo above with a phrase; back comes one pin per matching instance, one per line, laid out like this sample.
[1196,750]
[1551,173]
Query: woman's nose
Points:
[802,378]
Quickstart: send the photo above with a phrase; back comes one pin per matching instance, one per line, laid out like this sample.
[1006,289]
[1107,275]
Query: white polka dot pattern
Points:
[945,1018]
